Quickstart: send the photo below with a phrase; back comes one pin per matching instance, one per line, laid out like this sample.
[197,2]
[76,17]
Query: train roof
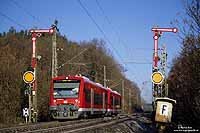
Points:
[116,92]
[109,89]
[88,81]
[94,83]
[98,84]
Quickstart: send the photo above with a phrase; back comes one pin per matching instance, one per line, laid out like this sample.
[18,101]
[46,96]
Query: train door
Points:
[92,101]
[103,102]
[106,102]
[113,104]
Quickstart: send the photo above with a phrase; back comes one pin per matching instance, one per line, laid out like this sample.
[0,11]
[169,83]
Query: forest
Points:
[86,58]
[184,76]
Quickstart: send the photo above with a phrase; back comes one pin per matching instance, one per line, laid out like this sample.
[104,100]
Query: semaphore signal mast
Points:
[157,33]
[162,105]
[32,75]
[157,76]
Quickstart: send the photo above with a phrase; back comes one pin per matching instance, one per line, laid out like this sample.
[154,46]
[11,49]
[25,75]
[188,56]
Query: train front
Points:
[64,97]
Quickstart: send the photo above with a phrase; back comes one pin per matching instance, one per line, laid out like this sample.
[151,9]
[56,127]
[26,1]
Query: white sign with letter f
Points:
[164,109]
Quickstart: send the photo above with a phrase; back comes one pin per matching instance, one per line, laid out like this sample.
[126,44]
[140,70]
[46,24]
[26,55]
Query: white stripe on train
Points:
[95,109]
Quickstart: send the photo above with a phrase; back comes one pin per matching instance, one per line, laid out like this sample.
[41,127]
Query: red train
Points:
[76,96]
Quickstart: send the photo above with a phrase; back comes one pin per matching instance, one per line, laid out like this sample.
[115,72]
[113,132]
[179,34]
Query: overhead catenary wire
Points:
[102,10]
[12,20]
[99,28]
[136,62]
[117,83]
[116,30]
[26,11]
[72,58]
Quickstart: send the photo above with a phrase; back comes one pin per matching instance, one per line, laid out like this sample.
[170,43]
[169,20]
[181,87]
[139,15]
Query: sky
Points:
[125,25]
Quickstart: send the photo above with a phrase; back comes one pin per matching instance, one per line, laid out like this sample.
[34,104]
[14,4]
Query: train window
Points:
[98,99]
[87,95]
[106,98]
[117,102]
[66,88]
[95,98]
[101,99]
[111,100]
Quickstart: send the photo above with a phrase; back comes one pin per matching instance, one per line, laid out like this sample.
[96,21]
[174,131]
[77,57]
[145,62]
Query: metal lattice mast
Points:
[163,70]
[54,52]
[123,96]
[104,76]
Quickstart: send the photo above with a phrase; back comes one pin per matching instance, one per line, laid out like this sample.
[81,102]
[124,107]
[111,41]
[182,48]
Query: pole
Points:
[26,119]
[129,101]
[34,90]
[104,73]
[123,95]
[164,69]
[54,52]
[29,104]
[156,36]
[157,33]
[157,91]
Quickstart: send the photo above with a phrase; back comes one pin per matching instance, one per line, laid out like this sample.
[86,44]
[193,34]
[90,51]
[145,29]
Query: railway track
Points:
[42,125]
[74,126]
[121,124]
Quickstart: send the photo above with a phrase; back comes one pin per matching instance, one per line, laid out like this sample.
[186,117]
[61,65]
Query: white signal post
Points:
[34,37]
[42,31]
[157,79]
[36,33]
[157,33]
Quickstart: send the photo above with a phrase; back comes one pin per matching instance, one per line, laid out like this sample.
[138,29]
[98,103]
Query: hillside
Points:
[184,77]
[15,58]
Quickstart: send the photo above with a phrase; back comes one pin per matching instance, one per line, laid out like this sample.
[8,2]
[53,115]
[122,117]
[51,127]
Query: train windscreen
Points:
[66,88]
